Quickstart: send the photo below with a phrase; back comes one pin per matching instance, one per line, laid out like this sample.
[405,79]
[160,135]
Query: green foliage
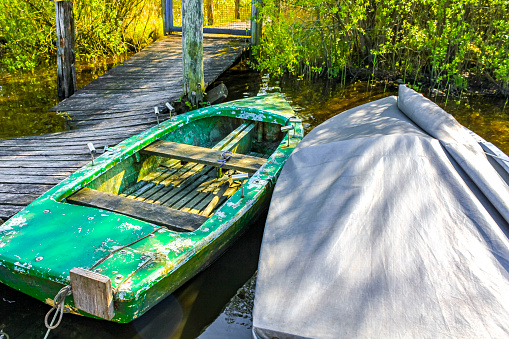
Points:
[27,30]
[217,12]
[442,42]
[102,27]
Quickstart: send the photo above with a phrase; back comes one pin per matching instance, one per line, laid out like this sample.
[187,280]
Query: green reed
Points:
[433,40]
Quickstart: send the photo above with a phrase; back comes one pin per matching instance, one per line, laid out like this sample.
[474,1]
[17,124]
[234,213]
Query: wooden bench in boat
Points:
[153,212]
[157,214]
[203,155]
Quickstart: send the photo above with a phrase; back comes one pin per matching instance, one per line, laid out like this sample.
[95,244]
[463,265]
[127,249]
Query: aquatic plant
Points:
[441,42]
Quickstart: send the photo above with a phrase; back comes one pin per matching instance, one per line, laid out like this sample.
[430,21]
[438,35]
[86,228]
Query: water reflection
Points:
[488,117]
[318,100]
[26,97]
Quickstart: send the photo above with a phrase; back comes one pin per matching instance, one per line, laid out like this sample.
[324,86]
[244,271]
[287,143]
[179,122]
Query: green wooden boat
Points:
[132,226]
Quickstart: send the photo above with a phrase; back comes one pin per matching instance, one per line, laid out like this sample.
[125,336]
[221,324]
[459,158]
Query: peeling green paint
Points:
[41,244]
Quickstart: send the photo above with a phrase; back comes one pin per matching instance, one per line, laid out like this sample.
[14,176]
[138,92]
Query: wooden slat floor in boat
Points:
[189,188]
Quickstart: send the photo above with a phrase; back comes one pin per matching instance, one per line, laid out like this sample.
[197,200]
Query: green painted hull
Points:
[41,244]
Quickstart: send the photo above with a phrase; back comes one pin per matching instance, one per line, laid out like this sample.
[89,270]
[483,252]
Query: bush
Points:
[102,27]
[443,42]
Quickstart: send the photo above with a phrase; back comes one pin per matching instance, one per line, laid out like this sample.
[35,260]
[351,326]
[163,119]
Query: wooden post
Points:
[165,17]
[167,9]
[256,27]
[192,50]
[66,74]
[237,9]
[209,4]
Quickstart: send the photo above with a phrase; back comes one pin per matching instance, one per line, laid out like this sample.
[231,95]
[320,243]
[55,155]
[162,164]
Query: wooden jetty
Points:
[110,109]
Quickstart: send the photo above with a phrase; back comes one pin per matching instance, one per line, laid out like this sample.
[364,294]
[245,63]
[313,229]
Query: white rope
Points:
[58,307]
[225,156]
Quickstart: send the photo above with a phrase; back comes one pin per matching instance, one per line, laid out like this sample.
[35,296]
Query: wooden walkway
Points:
[110,109]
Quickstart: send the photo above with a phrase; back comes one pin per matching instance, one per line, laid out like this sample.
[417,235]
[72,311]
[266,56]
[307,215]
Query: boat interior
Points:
[180,180]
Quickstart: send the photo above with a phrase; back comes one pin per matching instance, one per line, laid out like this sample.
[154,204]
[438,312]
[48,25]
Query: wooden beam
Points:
[256,23]
[92,293]
[217,94]
[237,9]
[209,5]
[66,74]
[203,155]
[192,50]
[159,215]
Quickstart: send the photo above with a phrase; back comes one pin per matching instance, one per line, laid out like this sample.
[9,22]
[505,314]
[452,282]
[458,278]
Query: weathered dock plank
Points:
[106,111]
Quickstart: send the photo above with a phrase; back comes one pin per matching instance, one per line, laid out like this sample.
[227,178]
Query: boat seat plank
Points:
[202,155]
[160,215]
[182,172]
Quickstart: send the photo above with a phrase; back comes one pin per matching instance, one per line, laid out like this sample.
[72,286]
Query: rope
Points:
[225,156]
[58,307]
[59,301]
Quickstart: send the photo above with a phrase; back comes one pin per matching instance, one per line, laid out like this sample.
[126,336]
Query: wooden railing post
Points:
[192,50]
[209,5]
[165,17]
[66,74]
[237,9]
[256,27]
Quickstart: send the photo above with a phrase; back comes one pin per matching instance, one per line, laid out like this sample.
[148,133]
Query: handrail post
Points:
[192,50]
[256,24]
[66,73]
[164,12]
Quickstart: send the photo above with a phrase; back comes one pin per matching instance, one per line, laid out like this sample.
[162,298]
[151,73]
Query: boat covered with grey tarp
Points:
[388,220]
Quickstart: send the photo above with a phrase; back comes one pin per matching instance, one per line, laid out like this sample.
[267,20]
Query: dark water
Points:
[26,97]
[217,303]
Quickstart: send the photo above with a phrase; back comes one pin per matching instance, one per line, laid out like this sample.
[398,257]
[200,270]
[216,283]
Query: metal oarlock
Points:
[92,150]
[170,108]
[156,110]
[240,177]
[288,129]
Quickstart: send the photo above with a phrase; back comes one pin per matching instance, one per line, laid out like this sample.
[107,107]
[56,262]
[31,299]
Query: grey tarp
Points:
[378,230]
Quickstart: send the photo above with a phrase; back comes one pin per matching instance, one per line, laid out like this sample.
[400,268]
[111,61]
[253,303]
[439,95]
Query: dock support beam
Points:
[66,74]
[256,24]
[192,50]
